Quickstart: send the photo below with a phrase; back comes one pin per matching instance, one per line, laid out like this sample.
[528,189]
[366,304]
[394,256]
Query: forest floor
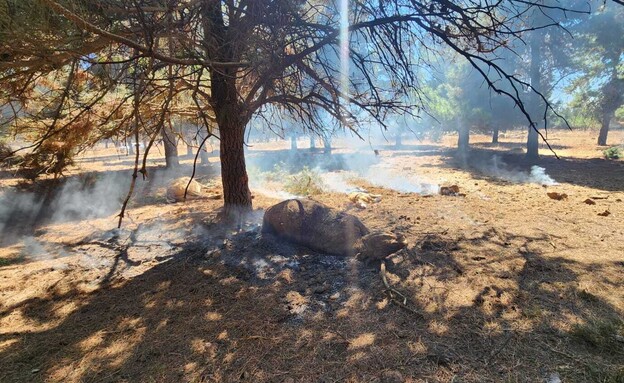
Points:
[499,284]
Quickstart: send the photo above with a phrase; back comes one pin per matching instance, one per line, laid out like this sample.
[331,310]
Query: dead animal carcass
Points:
[362,199]
[327,230]
[176,188]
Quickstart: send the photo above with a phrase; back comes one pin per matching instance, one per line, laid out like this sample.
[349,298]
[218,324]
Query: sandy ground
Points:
[501,284]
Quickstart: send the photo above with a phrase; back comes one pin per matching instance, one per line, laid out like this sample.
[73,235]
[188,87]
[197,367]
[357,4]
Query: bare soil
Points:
[500,284]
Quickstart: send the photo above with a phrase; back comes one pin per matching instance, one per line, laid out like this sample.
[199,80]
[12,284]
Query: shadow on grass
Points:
[593,173]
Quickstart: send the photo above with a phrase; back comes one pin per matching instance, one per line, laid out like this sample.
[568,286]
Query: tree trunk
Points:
[327,144]
[532,145]
[463,141]
[189,148]
[171,149]
[293,142]
[203,152]
[312,142]
[604,130]
[236,193]
[231,117]
[537,40]
[495,135]
[129,148]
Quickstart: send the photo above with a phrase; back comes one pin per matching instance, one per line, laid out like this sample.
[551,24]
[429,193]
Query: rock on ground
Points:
[176,188]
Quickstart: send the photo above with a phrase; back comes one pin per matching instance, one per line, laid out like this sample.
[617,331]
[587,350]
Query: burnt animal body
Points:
[327,230]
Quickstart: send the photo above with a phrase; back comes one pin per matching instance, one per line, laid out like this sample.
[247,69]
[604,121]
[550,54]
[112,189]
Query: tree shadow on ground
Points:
[516,145]
[483,163]
[240,306]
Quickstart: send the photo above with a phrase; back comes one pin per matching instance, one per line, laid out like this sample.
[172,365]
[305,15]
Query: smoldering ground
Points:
[498,168]
[339,171]
[24,210]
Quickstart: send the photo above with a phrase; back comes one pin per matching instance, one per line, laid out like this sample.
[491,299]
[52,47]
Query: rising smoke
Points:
[497,168]
[95,195]
[339,172]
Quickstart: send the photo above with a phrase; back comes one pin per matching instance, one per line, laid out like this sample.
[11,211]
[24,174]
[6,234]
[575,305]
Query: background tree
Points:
[598,59]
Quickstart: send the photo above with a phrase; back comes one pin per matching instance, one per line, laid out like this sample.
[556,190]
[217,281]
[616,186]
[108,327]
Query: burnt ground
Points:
[503,284]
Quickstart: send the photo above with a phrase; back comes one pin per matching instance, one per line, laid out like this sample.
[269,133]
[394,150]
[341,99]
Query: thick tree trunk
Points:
[532,145]
[463,141]
[171,149]
[203,156]
[234,177]
[604,130]
[231,117]
[495,135]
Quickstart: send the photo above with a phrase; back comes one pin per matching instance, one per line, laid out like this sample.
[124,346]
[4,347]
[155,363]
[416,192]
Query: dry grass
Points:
[509,286]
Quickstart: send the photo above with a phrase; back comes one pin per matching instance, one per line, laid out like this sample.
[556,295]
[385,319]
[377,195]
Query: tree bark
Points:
[129,148]
[463,141]
[171,149]
[604,130]
[231,116]
[495,135]
[236,193]
[312,142]
[203,152]
[612,99]
[537,40]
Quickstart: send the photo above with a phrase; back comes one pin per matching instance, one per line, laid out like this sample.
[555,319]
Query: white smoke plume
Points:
[338,172]
[499,169]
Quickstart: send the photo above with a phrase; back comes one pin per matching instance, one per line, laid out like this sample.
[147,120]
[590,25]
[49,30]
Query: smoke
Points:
[382,176]
[497,168]
[340,172]
[75,199]
[339,182]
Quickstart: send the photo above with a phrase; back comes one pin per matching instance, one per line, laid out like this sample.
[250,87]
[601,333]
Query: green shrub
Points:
[613,153]
[306,182]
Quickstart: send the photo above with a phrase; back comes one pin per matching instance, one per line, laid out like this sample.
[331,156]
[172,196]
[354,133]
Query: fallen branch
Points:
[393,293]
